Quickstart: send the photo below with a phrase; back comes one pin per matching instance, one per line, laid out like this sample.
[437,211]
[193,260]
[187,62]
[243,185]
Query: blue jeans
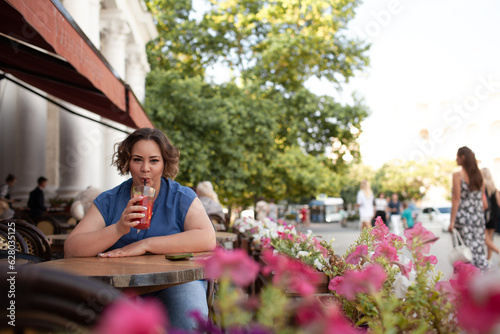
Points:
[181,299]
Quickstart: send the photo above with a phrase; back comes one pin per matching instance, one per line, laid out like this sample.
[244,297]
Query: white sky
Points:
[425,51]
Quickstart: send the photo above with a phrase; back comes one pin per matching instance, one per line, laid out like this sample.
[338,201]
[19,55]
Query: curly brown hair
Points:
[170,153]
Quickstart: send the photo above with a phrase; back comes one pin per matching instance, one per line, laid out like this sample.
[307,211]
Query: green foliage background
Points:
[263,133]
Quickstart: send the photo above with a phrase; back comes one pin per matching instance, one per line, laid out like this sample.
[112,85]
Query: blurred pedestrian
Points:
[364,201]
[273,211]
[209,199]
[36,201]
[407,216]
[261,209]
[468,205]
[7,210]
[381,207]
[493,197]
[304,215]
[395,210]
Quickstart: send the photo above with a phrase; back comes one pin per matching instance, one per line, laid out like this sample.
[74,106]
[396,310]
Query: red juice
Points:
[145,222]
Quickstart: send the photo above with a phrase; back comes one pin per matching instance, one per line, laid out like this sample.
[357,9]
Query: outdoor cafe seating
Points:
[29,240]
[48,300]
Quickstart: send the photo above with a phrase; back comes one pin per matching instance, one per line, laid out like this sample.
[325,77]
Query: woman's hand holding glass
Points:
[131,215]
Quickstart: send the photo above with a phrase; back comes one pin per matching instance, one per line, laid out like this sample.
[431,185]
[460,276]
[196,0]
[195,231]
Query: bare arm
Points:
[198,236]
[455,199]
[485,200]
[91,236]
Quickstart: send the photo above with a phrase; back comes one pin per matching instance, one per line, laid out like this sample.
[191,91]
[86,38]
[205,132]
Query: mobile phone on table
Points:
[178,256]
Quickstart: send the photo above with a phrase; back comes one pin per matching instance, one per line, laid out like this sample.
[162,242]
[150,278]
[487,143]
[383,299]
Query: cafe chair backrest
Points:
[218,223]
[37,242]
[6,234]
[48,300]
[48,225]
[72,221]
[24,217]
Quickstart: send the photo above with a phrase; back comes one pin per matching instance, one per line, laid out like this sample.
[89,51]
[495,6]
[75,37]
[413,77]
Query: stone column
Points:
[114,34]
[23,123]
[80,163]
[111,176]
[136,72]
[86,14]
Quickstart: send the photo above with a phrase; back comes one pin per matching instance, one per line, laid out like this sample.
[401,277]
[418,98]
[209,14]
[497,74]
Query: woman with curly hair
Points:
[179,222]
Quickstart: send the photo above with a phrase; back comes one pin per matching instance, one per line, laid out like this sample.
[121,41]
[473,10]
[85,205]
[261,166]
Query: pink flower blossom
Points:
[404,268]
[464,274]
[478,309]
[236,265]
[133,316]
[290,273]
[422,260]
[419,238]
[380,230]
[336,322]
[395,240]
[335,282]
[385,250]
[447,290]
[265,242]
[309,312]
[360,252]
[368,280]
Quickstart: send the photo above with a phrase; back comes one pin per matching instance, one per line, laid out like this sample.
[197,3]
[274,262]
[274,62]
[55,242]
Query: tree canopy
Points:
[263,133]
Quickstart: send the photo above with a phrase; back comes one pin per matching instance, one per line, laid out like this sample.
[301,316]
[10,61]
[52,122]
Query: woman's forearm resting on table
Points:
[91,243]
[188,241]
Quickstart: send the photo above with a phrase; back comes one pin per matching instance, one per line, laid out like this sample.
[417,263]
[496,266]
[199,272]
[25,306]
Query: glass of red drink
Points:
[148,197]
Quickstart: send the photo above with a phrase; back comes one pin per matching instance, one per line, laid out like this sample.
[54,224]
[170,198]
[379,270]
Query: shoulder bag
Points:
[460,251]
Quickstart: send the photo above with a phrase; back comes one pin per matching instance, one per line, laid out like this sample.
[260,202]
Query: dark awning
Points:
[41,45]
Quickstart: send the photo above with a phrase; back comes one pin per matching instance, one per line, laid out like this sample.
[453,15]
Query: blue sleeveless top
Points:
[169,210]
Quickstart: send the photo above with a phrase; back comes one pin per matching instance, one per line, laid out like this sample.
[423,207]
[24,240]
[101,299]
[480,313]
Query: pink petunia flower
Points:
[447,290]
[368,280]
[360,252]
[395,240]
[291,273]
[309,311]
[404,268]
[133,316]
[336,322]
[380,230]
[235,264]
[478,309]
[419,238]
[335,282]
[386,250]
[265,242]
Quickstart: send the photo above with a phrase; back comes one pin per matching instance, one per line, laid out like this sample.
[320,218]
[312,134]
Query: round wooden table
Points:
[142,274]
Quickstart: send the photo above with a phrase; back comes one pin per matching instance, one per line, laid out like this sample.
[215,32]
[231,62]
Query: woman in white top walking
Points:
[364,202]
[381,207]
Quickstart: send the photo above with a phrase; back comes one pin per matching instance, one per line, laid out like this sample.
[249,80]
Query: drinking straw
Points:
[144,182]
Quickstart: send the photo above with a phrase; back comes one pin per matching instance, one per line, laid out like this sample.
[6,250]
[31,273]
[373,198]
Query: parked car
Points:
[435,217]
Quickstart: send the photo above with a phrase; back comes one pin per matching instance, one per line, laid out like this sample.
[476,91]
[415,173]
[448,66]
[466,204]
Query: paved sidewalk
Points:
[345,236]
